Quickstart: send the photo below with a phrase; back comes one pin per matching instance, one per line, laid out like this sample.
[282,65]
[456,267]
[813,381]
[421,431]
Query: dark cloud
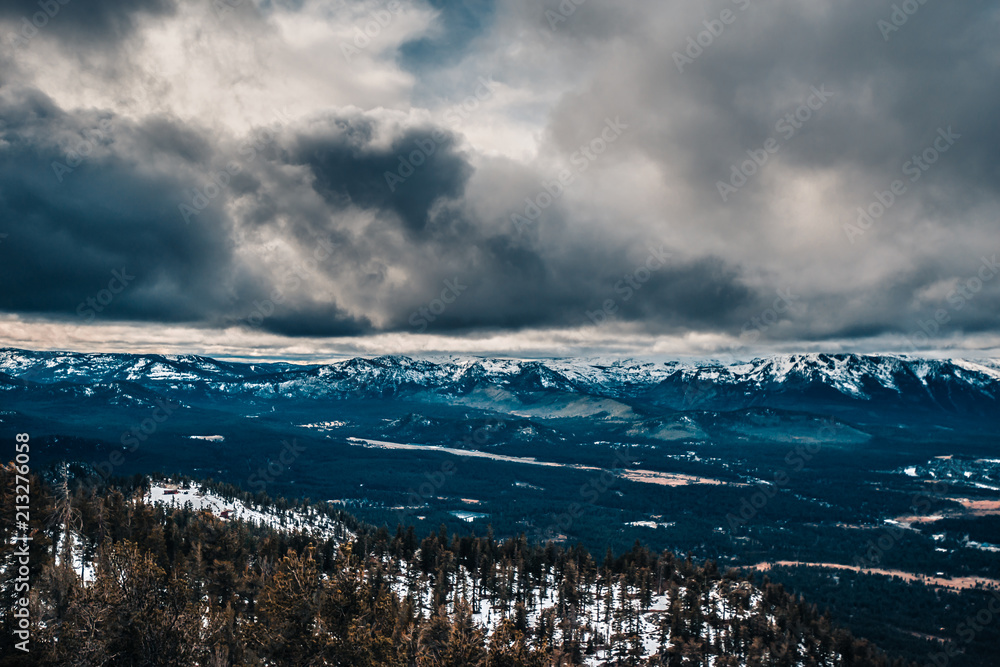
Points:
[79,202]
[519,289]
[408,204]
[319,320]
[405,177]
[83,23]
[891,99]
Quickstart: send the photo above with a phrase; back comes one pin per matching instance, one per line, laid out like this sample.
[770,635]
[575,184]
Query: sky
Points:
[310,179]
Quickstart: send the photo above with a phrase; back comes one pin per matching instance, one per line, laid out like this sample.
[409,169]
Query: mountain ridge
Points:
[816,380]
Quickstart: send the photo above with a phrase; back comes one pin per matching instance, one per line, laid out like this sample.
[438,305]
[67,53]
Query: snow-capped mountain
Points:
[818,380]
[812,382]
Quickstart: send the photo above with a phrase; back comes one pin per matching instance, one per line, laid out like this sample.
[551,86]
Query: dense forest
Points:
[892,613]
[179,586]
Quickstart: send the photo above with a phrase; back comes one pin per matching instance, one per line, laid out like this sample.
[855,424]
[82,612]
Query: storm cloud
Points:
[740,171]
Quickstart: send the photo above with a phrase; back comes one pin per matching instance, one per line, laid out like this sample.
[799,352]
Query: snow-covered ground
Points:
[324,426]
[81,565]
[594,617]
[228,510]
[197,498]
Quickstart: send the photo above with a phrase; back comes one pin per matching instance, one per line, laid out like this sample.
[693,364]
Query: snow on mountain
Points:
[851,376]
[987,368]
[946,384]
[72,366]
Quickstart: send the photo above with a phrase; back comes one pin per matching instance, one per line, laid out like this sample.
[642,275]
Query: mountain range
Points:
[851,386]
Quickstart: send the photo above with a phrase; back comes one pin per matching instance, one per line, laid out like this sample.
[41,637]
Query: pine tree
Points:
[432,644]
[287,611]
[509,648]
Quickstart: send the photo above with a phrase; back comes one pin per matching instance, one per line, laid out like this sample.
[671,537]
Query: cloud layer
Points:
[747,172]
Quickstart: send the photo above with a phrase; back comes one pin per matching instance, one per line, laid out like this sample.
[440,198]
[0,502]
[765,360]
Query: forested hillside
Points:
[178,586]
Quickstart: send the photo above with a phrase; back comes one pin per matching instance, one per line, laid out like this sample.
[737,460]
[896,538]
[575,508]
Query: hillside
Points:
[176,583]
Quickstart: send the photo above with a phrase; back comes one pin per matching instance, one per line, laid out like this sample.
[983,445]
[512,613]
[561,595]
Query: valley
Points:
[880,472]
